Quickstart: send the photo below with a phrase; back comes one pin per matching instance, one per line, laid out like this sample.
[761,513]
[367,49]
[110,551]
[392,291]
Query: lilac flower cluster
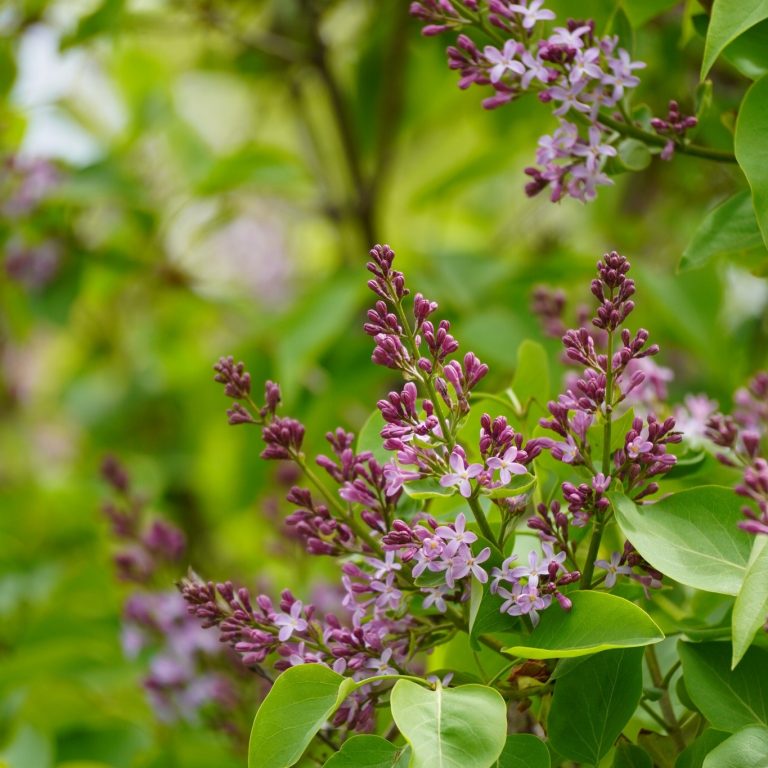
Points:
[25,183]
[674,127]
[585,413]
[146,548]
[580,74]
[443,550]
[624,564]
[528,589]
[743,436]
[375,641]
[189,677]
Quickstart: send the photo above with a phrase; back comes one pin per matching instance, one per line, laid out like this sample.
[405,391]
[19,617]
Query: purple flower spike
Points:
[461,475]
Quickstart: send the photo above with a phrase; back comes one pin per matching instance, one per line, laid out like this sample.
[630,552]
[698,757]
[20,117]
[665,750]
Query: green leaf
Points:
[464,727]
[691,536]
[369,751]
[745,749]
[596,622]
[729,228]
[631,756]
[523,750]
[531,381]
[518,485]
[594,702]
[428,488]
[299,703]
[693,755]
[730,18]
[749,52]
[634,155]
[729,699]
[751,147]
[641,11]
[751,607]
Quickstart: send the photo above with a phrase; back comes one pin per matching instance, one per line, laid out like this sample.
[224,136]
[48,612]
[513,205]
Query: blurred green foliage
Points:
[222,168]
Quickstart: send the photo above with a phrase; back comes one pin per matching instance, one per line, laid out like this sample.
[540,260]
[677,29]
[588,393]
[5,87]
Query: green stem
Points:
[482,520]
[376,678]
[672,723]
[627,129]
[654,715]
[600,517]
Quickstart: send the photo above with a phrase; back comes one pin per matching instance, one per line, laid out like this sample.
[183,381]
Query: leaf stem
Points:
[672,724]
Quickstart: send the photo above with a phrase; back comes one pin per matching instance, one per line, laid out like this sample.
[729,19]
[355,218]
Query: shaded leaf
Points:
[523,750]
[594,702]
[745,748]
[729,228]
[729,699]
[368,751]
[751,147]
[730,18]
[751,607]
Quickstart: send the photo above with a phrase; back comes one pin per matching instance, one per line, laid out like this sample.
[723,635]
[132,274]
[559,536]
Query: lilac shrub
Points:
[430,543]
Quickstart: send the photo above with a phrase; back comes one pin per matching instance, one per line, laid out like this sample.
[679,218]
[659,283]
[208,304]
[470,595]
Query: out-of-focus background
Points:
[185,180]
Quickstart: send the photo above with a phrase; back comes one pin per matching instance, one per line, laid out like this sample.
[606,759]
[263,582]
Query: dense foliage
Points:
[537,537]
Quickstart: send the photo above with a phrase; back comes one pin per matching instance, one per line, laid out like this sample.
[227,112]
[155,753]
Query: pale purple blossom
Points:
[465,563]
[506,465]
[614,567]
[461,475]
[290,622]
[532,13]
[504,60]
[596,151]
[456,535]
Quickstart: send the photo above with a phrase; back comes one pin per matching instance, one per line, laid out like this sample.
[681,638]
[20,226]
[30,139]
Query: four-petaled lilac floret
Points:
[290,622]
[504,60]
[639,445]
[461,475]
[464,563]
[456,535]
[506,465]
[532,13]
[614,567]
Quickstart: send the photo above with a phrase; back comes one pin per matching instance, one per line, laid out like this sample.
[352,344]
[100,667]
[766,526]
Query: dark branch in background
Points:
[360,204]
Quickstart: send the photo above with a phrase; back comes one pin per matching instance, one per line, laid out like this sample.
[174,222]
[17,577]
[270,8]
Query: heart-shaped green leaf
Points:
[596,622]
[692,536]
[464,727]
[300,702]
